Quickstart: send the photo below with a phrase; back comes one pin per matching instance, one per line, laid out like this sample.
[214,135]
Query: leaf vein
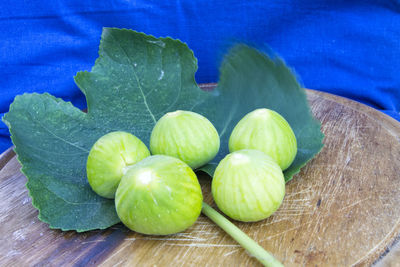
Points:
[136,78]
[56,136]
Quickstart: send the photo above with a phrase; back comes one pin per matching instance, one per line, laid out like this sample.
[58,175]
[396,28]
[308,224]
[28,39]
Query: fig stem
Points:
[245,241]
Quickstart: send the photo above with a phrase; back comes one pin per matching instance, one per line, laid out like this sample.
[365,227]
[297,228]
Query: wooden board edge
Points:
[6,156]
[392,125]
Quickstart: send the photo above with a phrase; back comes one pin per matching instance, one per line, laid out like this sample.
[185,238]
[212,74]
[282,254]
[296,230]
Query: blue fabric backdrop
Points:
[349,48]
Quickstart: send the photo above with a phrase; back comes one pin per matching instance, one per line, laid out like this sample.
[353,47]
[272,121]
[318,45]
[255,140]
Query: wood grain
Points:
[340,210]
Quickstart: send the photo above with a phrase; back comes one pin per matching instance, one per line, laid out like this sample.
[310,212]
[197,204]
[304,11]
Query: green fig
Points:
[267,131]
[109,159]
[248,185]
[159,196]
[185,135]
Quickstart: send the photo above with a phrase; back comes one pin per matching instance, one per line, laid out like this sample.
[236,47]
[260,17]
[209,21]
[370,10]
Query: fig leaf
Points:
[136,79]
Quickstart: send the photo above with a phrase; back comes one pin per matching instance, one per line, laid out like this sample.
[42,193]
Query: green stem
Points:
[249,244]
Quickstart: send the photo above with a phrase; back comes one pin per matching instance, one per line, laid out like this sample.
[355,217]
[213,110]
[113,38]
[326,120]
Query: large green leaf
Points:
[136,79]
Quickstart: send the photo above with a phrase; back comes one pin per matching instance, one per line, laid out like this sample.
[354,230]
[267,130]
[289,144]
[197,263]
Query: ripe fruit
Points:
[159,196]
[109,159]
[185,135]
[267,131]
[248,185]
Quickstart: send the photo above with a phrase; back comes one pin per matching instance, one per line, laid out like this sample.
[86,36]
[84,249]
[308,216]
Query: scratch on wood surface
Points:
[172,239]
[94,241]
[332,167]
[298,200]
[159,248]
[204,223]
[292,214]
[354,204]
[303,191]
[193,236]
[231,252]
[287,230]
[184,255]
[203,232]
[118,263]
[26,200]
[275,219]
[294,207]
[19,235]
[202,245]
[12,253]
[189,236]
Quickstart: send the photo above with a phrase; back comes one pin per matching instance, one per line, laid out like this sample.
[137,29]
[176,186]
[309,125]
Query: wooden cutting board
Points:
[342,209]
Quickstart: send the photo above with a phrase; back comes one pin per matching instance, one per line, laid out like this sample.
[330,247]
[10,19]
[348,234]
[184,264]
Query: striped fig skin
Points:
[185,135]
[248,185]
[159,196]
[109,159]
[267,131]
